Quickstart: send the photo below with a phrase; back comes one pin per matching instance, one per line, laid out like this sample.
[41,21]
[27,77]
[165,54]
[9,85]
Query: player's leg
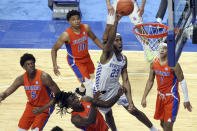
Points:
[142,118]
[171,111]
[108,112]
[86,69]
[76,70]
[41,120]
[27,118]
[110,120]
[89,76]
[137,113]
[162,123]
[168,126]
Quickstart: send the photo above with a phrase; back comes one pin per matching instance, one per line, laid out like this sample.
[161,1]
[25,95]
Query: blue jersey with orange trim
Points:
[37,93]
[100,124]
[78,45]
[167,81]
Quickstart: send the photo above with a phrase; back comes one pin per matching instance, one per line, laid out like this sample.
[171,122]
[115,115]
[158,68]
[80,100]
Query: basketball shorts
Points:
[134,16]
[110,93]
[82,69]
[29,119]
[167,106]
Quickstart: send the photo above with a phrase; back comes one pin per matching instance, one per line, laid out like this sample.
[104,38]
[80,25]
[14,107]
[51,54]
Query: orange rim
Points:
[152,35]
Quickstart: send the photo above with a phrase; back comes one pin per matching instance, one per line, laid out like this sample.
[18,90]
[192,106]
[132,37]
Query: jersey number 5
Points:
[33,94]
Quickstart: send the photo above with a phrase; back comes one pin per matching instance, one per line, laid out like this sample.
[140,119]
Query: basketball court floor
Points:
[14,36]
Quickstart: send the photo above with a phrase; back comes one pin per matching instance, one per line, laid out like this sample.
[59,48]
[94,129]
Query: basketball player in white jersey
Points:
[113,64]
[135,16]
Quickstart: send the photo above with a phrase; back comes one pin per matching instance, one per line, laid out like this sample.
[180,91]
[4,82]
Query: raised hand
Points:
[110,10]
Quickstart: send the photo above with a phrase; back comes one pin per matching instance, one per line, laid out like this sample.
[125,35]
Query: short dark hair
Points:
[61,99]
[72,13]
[57,128]
[26,57]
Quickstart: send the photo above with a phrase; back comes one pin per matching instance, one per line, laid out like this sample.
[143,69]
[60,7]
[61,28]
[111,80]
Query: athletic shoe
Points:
[79,92]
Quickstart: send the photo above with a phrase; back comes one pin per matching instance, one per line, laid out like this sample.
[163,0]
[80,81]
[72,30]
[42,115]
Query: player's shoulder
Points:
[45,76]
[86,98]
[86,26]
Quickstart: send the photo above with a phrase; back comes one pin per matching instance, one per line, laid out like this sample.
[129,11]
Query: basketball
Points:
[125,7]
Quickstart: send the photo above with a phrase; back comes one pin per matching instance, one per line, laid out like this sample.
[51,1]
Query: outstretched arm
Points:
[48,82]
[85,121]
[15,85]
[180,77]
[141,8]
[93,36]
[126,84]
[149,85]
[110,8]
[58,44]
[110,102]
[106,104]
[108,46]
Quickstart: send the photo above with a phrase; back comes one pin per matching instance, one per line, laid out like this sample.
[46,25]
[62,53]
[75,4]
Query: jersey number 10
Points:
[82,46]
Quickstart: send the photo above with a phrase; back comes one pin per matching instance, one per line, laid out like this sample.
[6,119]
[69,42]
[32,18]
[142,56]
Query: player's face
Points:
[29,66]
[118,43]
[75,21]
[163,51]
[74,102]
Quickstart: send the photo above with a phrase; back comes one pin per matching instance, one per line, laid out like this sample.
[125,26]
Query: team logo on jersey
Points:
[84,33]
[36,82]
[134,18]
[88,106]
[166,69]
[169,120]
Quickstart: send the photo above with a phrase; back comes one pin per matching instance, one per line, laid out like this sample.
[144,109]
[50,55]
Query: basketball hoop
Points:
[150,35]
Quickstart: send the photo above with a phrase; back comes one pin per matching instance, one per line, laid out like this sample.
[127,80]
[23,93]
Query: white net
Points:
[150,36]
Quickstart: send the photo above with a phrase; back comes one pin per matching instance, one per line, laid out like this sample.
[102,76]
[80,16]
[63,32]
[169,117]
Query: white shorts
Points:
[121,101]
[134,16]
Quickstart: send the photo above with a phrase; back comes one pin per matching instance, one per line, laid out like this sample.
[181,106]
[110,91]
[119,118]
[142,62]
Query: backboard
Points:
[181,17]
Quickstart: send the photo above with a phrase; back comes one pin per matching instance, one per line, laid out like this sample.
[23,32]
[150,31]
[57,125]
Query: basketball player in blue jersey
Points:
[113,64]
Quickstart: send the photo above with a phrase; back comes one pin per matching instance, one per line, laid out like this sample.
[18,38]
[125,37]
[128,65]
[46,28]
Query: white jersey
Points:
[107,77]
